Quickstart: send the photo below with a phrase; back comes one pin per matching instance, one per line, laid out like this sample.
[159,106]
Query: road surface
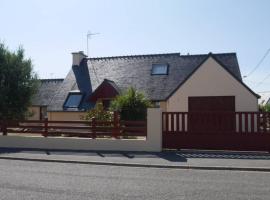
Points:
[40,180]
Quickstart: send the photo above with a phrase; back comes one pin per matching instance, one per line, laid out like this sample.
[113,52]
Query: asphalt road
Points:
[38,180]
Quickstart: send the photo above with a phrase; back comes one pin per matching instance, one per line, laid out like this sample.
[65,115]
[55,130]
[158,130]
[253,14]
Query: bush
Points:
[132,105]
[264,108]
[99,113]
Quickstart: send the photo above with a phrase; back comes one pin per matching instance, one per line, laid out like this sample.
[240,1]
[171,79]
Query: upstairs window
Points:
[159,69]
[73,100]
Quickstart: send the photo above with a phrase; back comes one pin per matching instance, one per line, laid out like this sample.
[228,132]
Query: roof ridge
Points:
[206,54]
[229,53]
[134,56]
[105,79]
[156,55]
[52,79]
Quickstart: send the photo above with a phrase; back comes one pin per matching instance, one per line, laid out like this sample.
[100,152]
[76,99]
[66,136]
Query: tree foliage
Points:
[264,108]
[132,105]
[18,83]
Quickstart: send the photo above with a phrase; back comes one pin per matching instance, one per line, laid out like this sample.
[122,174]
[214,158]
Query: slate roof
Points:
[112,83]
[100,91]
[46,91]
[126,71]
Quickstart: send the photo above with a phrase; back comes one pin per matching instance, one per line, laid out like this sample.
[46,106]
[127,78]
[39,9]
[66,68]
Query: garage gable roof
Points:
[237,77]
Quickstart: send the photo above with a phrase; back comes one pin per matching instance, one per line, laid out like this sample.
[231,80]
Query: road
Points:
[40,180]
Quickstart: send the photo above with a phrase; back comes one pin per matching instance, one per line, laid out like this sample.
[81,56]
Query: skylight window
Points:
[73,100]
[159,69]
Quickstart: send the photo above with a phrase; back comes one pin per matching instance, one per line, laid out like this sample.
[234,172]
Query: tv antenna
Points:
[88,36]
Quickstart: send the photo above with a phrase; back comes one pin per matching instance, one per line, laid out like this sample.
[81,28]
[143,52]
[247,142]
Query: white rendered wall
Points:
[211,79]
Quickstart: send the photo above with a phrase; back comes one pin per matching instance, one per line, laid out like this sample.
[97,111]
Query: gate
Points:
[244,131]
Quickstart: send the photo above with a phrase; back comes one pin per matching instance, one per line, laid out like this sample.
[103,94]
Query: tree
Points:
[264,108]
[18,83]
[132,105]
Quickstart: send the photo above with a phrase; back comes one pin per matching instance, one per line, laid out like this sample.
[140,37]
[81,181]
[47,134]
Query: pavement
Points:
[185,159]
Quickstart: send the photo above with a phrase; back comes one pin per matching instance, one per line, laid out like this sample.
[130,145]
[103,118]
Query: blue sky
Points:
[50,30]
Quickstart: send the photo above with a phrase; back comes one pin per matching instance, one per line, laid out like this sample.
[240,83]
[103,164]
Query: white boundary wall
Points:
[153,143]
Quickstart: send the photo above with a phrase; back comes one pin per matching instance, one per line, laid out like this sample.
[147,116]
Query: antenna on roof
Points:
[88,36]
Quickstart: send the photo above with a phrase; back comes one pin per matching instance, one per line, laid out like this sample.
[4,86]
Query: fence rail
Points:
[91,129]
[244,131]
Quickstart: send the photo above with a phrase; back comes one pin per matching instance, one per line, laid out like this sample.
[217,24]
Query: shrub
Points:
[99,113]
[132,105]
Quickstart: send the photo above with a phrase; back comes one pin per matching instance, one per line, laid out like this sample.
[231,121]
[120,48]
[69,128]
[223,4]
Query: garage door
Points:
[216,103]
[211,113]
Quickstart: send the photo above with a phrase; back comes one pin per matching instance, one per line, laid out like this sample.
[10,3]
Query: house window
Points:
[73,100]
[159,69]
[156,104]
[43,112]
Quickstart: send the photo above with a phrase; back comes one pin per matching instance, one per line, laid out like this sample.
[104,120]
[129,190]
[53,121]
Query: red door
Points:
[211,114]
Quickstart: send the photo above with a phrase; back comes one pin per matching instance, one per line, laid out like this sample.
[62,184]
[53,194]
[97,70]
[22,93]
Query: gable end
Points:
[222,65]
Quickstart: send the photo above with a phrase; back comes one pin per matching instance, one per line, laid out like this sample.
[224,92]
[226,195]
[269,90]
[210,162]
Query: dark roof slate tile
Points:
[46,91]
[126,71]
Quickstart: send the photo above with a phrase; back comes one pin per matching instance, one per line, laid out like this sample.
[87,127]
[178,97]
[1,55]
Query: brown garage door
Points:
[211,113]
[216,103]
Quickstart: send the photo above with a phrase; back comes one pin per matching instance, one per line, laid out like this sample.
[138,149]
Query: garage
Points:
[207,110]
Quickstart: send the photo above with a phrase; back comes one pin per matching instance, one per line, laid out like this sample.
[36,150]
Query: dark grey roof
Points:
[126,71]
[46,91]
[136,71]
[112,83]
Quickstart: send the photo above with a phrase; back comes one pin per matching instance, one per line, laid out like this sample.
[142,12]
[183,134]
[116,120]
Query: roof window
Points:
[73,100]
[159,69]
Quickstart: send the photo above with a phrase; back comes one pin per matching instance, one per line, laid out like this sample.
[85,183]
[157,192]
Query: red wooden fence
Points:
[216,130]
[91,129]
[236,122]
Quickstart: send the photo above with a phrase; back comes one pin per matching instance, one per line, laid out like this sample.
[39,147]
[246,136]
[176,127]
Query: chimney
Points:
[82,77]
[77,57]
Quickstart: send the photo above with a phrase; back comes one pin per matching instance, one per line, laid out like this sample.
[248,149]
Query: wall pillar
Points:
[154,128]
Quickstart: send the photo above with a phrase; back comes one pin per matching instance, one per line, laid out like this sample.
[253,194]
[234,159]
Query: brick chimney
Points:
[77,57]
